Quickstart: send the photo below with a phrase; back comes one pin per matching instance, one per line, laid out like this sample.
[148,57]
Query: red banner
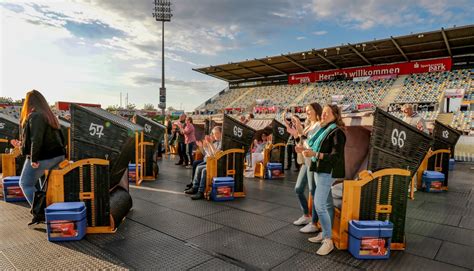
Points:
[65,105]
[302,78]
[434,65]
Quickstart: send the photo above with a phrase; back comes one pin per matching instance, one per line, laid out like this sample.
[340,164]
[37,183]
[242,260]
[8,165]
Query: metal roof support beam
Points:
[271,67]
[231,73]
[248,69]
[296,63]
[210,74]
[446,42]
[359,54]
[327,60]
[399,48]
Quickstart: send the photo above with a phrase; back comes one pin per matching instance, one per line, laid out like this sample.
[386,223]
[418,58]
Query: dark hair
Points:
[190,119]
[35,102]
[336,111]
[318,109]
[251,116]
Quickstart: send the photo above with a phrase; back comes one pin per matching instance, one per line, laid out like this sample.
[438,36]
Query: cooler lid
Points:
[362,224]
[11,179]
[65,206]
[433,174]
[274,165]
[222,179]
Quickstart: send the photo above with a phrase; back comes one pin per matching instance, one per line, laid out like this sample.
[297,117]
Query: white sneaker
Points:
[317,239]
[310,228]
[326,247]
[303,220]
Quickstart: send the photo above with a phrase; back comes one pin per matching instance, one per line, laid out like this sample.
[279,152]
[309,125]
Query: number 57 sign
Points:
[96,130]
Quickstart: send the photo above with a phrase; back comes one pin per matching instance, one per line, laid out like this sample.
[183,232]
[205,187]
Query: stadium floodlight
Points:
[162,13]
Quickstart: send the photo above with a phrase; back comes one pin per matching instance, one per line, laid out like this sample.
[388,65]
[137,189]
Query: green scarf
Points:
[317,139]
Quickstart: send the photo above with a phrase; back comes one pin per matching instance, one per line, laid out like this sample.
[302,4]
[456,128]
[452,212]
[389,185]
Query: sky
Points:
[93,50]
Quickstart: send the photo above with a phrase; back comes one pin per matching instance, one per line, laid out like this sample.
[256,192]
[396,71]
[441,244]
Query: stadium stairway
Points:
[236,101]
[298,100]
[445,118]
[393,92]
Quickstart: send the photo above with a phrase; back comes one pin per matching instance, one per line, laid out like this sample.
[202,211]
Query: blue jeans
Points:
[195,164]
[199,181]
[323,202]
[30,176]
[189,152]
[305,177]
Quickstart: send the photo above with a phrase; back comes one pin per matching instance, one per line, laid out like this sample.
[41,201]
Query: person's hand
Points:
[199,143]
[208,139]
[419,126]
[308,153]
[35,164]
[15,143]
[299,149]
[297,122]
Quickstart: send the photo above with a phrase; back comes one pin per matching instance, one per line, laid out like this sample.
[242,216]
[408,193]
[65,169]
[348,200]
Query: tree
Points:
[6,100]
[131,106]
[112,108]
[149,107]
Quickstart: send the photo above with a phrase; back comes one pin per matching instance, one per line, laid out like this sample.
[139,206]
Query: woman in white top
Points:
[313,112]
[257,155]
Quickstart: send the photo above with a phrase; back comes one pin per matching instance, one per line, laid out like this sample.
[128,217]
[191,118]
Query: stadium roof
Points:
[452,42]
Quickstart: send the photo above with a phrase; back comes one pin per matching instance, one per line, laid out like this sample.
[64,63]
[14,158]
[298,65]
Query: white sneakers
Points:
[326,247]
[303,220]
[309,228]
[317,239]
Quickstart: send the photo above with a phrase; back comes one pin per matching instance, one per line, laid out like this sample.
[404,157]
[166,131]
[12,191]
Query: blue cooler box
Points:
[370,240]
[66,221]
[222,188]
[274,171]
[432,181]
[131,172]
[11,189]
[451,164]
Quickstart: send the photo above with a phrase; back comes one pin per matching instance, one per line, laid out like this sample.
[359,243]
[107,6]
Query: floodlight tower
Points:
[162,13]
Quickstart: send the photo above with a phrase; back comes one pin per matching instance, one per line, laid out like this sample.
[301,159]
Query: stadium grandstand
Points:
[432,70]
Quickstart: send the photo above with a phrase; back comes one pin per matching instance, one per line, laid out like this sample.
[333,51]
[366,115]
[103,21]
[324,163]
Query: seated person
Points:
[211,145]
[257,154]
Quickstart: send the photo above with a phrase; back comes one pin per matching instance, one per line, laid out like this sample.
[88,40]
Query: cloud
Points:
[320,33]
[366,14]
[93,30]
[300,38]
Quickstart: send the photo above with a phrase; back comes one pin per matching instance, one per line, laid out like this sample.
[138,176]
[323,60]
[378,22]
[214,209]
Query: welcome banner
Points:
[433,65]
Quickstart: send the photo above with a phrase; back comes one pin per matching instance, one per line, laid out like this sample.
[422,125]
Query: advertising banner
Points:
[433,65]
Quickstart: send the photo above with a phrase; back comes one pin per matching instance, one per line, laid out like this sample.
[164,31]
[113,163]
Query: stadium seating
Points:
[463,120]
[224,100]
[429,87]
[355,93]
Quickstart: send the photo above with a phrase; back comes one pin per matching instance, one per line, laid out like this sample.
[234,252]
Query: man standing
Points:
[183,159]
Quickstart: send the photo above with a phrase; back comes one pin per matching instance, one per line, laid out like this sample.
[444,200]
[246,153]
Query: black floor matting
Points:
[145,208]
[422,246]
[216,265]
[247,222]
[251,205]
[467,222]
[456,254]
[307,261]
[178,225]
[291,236]
[255,251]
[156,251]
[442,232]
[198,208]
[439,217]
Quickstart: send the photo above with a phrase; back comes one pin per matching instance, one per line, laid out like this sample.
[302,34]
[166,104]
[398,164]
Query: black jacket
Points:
[39,140]
[332,148]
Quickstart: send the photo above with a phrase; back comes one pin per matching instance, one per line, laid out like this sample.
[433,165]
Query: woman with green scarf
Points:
[327,154]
